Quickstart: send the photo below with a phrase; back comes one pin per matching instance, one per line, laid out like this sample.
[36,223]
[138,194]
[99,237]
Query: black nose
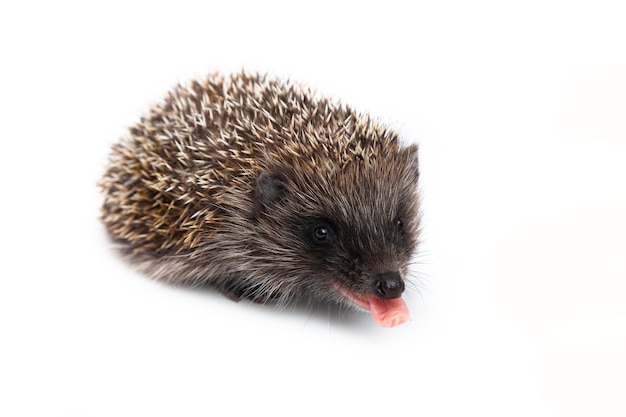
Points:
[388,285]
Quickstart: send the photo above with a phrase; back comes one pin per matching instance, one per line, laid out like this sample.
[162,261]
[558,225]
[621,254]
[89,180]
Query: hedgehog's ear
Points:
[270,188]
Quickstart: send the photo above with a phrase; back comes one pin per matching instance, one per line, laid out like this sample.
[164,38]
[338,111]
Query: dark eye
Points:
[399,223]
[321,234]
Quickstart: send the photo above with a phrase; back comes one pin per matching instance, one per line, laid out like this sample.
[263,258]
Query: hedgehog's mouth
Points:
[386,313]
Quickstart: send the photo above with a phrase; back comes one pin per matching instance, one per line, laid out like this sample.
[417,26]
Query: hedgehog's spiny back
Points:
[171,182]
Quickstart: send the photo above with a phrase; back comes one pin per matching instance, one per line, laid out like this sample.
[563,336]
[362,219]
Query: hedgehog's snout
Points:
[388,285]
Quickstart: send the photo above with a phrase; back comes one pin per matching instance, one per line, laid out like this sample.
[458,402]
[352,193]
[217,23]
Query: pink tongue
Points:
[388,313]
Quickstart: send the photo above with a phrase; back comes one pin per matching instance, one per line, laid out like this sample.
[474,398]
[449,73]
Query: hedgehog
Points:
[264,190]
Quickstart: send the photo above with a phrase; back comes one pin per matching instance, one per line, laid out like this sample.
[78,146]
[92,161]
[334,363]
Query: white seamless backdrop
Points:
[519,110]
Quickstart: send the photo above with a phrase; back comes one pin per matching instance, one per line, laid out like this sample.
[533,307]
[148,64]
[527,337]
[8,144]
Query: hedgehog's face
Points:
[351,233]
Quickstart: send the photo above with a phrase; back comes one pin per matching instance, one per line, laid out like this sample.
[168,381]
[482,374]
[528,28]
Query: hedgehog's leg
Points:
[233,291]
[237,291]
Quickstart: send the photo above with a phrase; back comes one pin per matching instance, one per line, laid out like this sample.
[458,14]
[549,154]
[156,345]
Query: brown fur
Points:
[224,182]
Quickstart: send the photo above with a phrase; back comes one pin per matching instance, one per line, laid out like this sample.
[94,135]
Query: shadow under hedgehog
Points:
[267,191]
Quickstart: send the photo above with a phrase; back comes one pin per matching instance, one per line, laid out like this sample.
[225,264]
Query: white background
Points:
[520,112]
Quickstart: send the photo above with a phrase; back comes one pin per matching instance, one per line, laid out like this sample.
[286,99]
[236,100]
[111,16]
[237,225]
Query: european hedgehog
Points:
[264,190]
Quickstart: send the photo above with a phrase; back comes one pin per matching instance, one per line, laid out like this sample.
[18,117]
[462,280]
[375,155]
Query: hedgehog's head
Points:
[343,233]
